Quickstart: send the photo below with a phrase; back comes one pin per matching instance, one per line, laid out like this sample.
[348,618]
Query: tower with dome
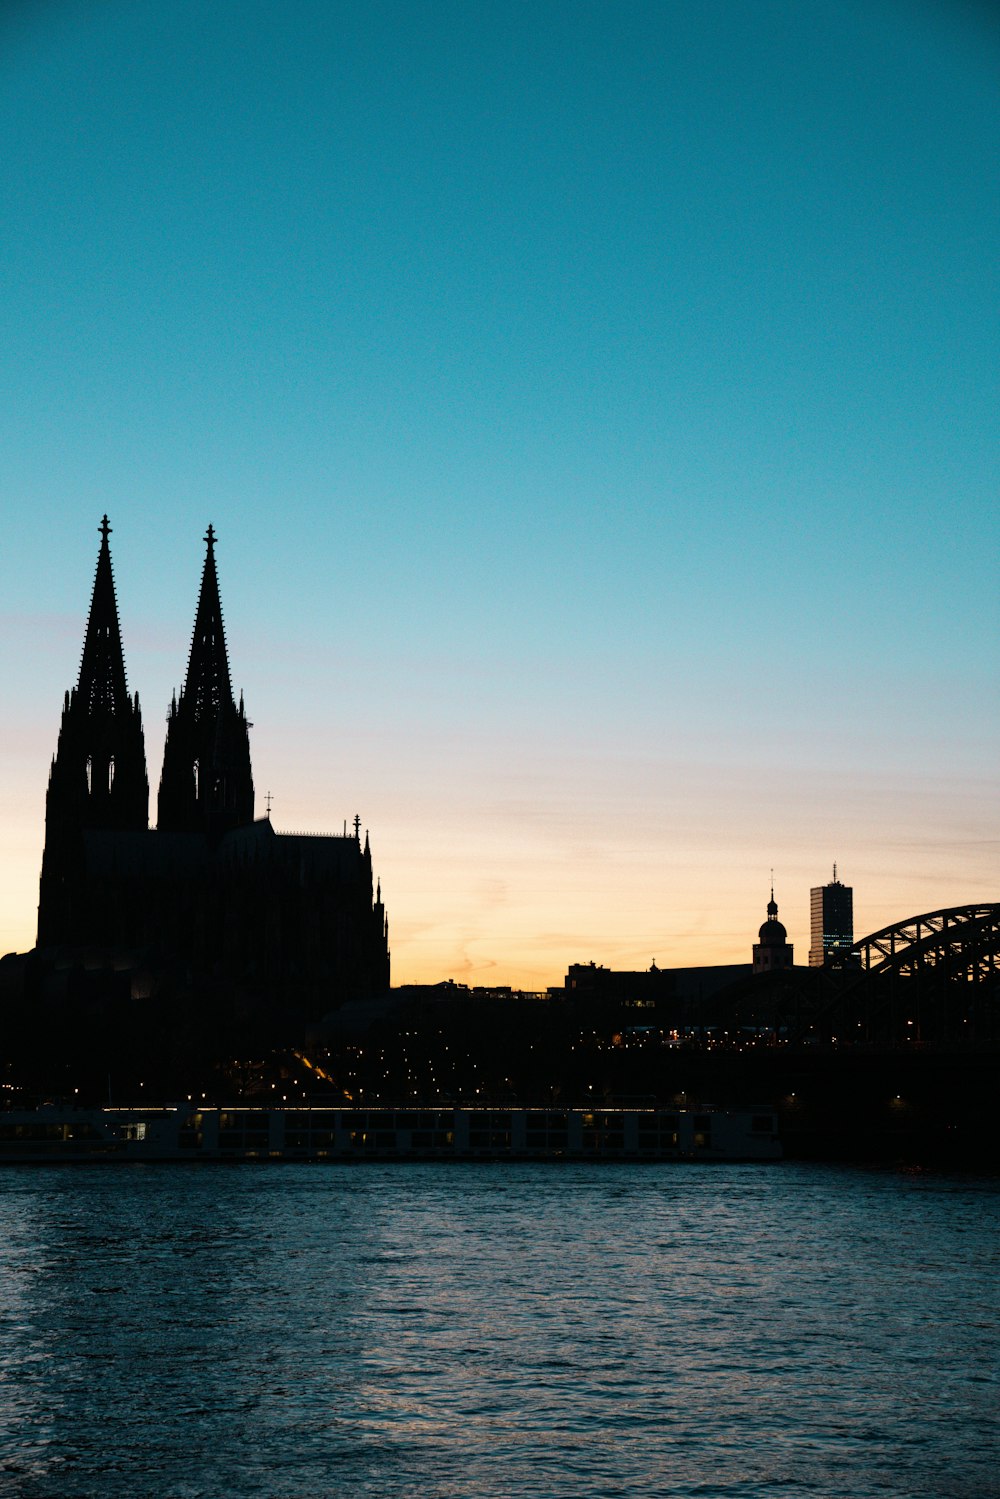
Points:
[772,951]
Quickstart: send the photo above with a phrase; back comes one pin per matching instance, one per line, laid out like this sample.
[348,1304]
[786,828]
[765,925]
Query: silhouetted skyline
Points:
[213,908]
[597,407]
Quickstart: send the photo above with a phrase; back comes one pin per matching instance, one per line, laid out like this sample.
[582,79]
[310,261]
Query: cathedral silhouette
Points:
[213,899]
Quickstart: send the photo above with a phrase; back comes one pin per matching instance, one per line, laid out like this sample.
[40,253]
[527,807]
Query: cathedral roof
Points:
[323,854]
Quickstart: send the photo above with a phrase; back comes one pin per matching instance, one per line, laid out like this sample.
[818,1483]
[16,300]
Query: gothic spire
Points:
[102,688]
[208,688]
[207,783]
[98,777]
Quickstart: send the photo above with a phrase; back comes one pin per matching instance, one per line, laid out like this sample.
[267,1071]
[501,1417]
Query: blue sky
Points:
[597,407]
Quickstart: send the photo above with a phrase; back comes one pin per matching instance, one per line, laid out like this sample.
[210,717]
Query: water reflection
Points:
[495,1330]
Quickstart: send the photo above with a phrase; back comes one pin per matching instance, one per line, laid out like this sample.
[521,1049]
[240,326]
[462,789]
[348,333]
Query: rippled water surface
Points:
[497,1330]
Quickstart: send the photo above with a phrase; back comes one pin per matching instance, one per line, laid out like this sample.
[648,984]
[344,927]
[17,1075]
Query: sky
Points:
[596,404]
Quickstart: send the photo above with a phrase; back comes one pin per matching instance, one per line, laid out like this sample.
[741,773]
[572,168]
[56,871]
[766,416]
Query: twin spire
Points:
[98,776]
[97,840]
[100,766]
[207,782]
[208,684]
[102,687]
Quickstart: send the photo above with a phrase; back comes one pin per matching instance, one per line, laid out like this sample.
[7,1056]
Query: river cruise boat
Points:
[244,1132]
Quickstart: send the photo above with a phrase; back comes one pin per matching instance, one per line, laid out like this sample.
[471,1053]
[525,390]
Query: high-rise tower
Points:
[98,778]
[831,923]
[207,783]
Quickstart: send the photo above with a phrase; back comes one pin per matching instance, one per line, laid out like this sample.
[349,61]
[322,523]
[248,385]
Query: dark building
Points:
[207,784]
[772,951]
[98,778]
[668,998]
[213,896]
[831,926]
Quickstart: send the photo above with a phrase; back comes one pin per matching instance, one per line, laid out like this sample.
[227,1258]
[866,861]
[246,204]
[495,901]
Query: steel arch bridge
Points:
[930,979]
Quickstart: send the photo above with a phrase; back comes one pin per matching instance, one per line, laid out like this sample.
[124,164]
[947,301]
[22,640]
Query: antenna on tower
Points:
[834,871]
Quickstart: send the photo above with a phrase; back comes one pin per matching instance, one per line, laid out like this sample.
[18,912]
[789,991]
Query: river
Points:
[497,1330]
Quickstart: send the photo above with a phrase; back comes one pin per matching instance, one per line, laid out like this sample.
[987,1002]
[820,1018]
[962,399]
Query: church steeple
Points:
[773,949]
[98,777]
[207,783]
[208,687]
[102,686]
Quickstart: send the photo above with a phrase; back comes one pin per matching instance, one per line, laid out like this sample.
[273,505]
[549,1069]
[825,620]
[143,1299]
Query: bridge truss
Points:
[933,978]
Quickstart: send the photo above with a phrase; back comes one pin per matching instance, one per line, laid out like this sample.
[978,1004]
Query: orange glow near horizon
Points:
[483,896]
[605,494]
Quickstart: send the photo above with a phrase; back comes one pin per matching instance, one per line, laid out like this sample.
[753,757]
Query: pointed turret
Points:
[102,687]
[207,783]
[772,950]
[207,688]
[98,777]
[380,941]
